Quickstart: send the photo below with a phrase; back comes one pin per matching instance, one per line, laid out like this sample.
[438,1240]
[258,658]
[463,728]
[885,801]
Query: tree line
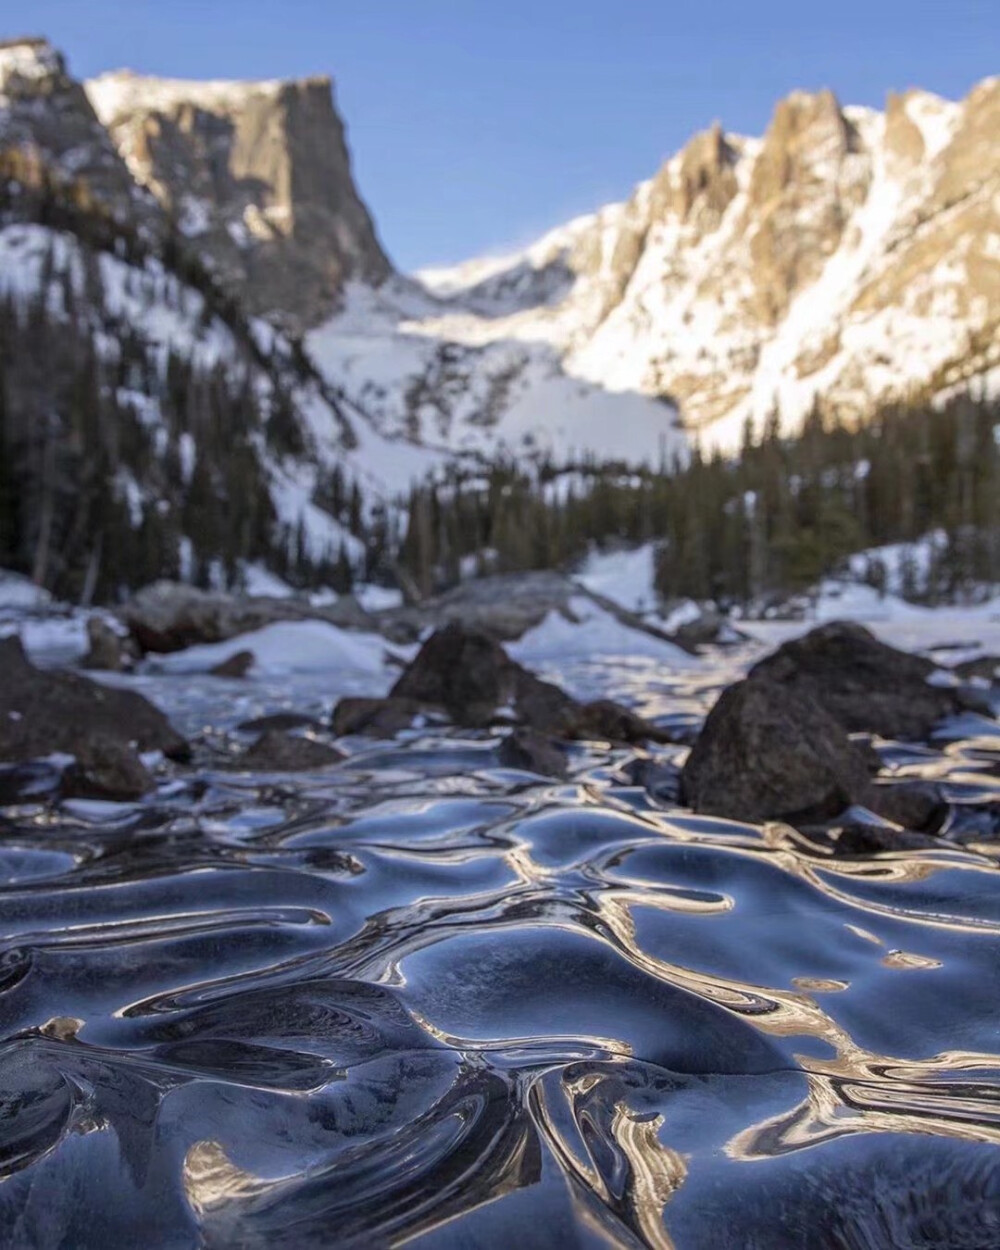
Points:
[773,519]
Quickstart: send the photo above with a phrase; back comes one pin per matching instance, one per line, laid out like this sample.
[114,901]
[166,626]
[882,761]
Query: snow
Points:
[414,377]
[120,92]
[378,598]
[289,647]
[595,633]
[899,558]
[257,580]
[21,593]
[31,60]
[625,577]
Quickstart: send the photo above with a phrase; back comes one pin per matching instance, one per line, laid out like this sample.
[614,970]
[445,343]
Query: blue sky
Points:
[477,124]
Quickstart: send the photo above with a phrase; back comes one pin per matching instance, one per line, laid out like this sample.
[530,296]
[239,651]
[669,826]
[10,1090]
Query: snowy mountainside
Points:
[504,396]
[849,254]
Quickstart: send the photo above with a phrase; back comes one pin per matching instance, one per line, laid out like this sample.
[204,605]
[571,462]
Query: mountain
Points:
[194,295]
[257,175]
[849,254]
[150,425]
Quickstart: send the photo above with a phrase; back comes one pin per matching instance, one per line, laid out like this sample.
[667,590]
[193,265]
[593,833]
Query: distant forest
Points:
[121,466]
[774,519]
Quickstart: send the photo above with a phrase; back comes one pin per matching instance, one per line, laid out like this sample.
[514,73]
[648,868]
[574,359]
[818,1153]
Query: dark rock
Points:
[768,752]
[236,667]
[462,670]
[279,720]
[533,752]
[544,706]
[873,838]
[281,753]
[168,616]
[470,676]
[864,684]
[42,712]
[662,781]
[607,719]
[106,768]
[984,666]
[914,805]
[106,651]
[381,718]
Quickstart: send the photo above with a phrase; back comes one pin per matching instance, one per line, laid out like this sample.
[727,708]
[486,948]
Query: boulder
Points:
[504,606]
[768,752]
[381,718]
[864,684]
[463,671]
[236,667]
[42,712]
[473,679]
[532,752]
[106,768]
[607,719]
[106,650]
[169,616]
[709,628]
[279,752]
[915,805]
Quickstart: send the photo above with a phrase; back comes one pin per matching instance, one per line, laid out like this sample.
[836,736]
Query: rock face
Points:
[768,752]
[865,685]
[48,127]
[848,254]
[258,176]
[45,712]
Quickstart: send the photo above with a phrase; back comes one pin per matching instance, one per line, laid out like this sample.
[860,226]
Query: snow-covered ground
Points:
[288,647]
[593,634]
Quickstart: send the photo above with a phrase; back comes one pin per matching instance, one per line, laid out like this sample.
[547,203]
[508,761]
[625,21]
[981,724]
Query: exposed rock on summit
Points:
[258,176]
[49,130]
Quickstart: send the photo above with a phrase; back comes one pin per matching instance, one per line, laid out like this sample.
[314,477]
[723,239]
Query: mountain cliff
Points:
[848,255]
[258,176]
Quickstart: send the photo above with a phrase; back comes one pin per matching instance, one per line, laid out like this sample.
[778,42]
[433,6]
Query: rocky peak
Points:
[802,190]
[48,122]
[258,175]
[699,185]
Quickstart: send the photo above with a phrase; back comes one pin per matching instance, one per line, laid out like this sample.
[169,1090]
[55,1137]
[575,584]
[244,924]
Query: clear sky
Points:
[477,124]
